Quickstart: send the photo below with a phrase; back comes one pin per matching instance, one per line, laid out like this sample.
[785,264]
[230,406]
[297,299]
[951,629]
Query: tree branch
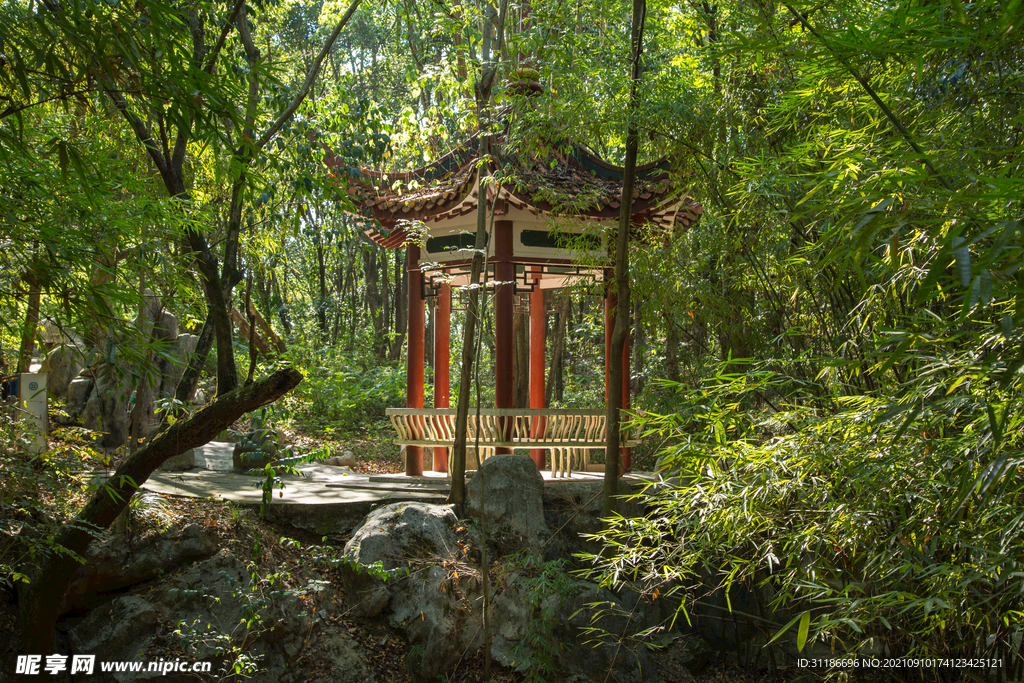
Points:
[141,131]
[311,75]
[215,53]
[620,329]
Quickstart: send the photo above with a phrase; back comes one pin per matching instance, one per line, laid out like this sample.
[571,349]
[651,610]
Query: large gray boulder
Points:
[508,491]
[685,654]
[426,595]
[78,395]
[166,326]
[181,462]
[106,411]
[62,364]
[346,459]
[213,603]
[346,658]
[575,510]
[397,534]
[150,307]
[118,630]
[252,452]
[439,609]
[173,365]
[592,622]
[118,564]
[209,600]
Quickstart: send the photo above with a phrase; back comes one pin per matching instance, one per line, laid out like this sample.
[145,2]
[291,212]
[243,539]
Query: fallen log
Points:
[246,331]
[262,323]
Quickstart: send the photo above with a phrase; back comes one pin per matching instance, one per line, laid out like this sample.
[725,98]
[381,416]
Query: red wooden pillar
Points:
[610,304]
[414,360]
[442,335]
[504,304]
[537,318]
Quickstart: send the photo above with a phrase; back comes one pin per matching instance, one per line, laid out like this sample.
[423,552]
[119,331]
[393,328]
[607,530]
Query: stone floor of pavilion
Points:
[328,499]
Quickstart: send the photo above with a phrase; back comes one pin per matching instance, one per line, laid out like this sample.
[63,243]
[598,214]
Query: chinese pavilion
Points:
[436,206]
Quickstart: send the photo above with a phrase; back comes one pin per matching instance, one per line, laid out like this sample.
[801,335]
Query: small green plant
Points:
[261,442]
[546,586]
[258,596]
[146,506]
[272,472]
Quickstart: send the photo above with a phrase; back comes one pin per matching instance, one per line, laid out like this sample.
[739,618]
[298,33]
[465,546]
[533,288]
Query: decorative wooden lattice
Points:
[568,434]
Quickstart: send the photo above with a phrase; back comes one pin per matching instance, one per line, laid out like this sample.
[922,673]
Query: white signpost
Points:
[32,399]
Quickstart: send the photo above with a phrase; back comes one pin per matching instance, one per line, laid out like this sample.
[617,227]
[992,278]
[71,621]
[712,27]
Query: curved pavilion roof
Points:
[567,182]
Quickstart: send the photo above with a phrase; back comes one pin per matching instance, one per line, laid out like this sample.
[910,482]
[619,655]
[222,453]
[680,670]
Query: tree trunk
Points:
[354,303]
[190,378]
[428,334]
[457,493]
[374,304]
[401,310]
[457,467]
[321,278]
[520,359]
[98,305]
[620,331]
[639,349]
[280,290]
[671,349]
[41,599]
[555,374]
[28,332]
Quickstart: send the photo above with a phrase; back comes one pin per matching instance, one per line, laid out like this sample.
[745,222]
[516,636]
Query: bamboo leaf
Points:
[801,634]
[962,256]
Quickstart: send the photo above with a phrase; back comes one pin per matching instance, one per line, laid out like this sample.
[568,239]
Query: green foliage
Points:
[867,531]
[40,493]
[341,392]
[859,168]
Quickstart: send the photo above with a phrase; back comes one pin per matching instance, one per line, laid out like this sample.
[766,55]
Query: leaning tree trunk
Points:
[41,599]
[620,331]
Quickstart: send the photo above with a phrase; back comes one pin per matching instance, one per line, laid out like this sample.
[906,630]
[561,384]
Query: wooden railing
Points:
[568,434]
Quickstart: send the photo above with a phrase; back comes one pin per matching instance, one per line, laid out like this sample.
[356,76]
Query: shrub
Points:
[340,392]
[873,531]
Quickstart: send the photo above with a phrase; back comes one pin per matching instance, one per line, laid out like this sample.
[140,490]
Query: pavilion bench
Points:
[568,434]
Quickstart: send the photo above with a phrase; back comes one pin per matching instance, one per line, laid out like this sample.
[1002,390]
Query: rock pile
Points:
[417,565]
[104,395]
